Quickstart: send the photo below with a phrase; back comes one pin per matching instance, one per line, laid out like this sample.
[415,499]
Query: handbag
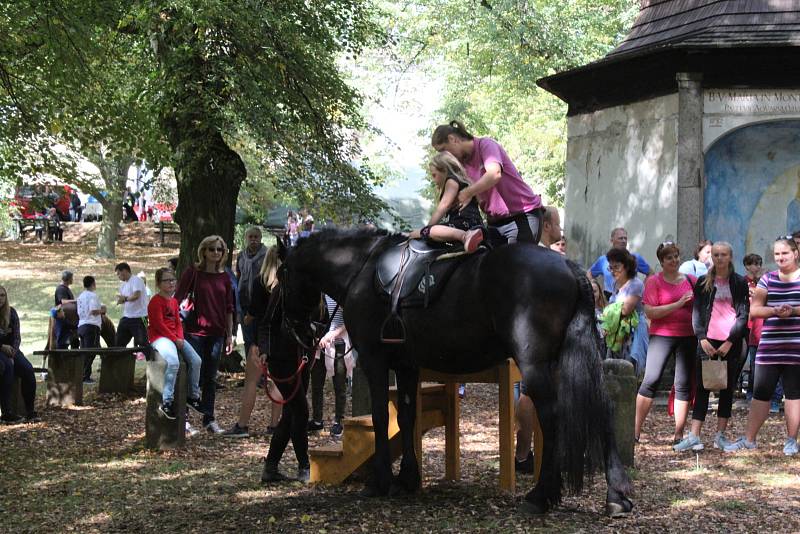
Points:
[715,374]
[188,311]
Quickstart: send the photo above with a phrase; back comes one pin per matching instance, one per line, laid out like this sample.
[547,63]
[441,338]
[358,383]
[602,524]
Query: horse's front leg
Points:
[378,378]
[408,480]
[619,484]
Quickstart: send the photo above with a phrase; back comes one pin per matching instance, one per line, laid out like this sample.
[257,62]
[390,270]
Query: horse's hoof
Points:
[619,509]
[532,508]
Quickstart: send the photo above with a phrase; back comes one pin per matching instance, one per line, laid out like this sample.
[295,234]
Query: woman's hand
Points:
[783,311]
[327,340]
[248,319]
[708,348]
[414,234]
[8,350]
[228,344]
[464,198]
[685,298]
[723,349]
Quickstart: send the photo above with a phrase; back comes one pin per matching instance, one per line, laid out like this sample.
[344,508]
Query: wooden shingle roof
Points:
[730,42]
[712,24]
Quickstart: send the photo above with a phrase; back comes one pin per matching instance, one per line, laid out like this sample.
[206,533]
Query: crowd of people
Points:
[700,310]
[713,321]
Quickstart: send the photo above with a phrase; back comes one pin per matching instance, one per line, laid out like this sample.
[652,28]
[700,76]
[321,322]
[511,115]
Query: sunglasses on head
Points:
[784,238]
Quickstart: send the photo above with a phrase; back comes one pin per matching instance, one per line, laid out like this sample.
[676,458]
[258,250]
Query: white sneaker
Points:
[790,447]
[213,428]
[690,442]
[190,430]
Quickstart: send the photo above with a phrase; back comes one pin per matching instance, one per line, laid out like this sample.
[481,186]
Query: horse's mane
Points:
[349,235]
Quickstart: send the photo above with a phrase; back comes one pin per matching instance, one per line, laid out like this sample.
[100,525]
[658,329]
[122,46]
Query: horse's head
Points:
[300,300]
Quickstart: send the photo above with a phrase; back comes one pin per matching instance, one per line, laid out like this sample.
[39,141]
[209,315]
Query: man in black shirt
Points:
[66,325]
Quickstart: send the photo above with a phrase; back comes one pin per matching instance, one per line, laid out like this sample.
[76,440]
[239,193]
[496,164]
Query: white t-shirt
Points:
[86,303]
[138,307]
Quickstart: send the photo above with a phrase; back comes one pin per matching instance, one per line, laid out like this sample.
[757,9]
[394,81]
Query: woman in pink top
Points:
[668,298]
[719,318]
[511,207]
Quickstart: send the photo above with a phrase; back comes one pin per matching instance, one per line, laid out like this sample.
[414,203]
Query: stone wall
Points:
[622,171]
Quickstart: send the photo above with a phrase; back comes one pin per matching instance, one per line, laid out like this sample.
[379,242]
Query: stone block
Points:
[116,373]
[160,432]
[64,380]
[621,386]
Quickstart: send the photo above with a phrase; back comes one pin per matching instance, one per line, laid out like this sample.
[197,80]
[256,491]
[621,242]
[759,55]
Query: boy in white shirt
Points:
[90,317]
[133,297]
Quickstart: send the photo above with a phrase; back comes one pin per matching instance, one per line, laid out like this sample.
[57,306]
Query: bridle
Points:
[291,326]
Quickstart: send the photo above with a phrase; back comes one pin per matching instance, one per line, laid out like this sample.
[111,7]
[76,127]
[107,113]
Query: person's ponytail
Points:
[454,127]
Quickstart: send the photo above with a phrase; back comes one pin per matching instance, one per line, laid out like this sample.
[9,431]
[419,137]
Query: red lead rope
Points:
[302,361]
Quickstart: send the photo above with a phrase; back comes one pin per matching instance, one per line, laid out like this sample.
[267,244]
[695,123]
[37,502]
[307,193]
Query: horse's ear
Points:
[282,250]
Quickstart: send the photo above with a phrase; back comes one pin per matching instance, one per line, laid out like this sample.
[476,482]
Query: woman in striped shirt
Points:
[776,299]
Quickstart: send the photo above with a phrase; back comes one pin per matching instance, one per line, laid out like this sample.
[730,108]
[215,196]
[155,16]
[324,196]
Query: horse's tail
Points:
[583,406]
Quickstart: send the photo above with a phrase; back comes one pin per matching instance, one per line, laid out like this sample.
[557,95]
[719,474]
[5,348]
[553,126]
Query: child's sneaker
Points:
[472,240]
[741,444]
[790,447]
[720,441]
[166,409]
[690,442]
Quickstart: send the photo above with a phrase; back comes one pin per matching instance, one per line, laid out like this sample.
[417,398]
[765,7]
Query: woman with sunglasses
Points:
[668,298]
[776,299]
[210,330]
[719,318]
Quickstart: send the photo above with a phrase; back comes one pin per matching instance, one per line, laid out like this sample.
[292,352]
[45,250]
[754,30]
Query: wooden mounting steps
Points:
[438,404]
[332,464]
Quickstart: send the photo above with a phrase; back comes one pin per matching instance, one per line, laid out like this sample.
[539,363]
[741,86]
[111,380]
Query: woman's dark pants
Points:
[210,349]
[294,418]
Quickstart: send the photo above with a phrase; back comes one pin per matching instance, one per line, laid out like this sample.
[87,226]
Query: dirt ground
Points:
[86,470]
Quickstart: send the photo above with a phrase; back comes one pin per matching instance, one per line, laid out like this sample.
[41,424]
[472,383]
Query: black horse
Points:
[518,300]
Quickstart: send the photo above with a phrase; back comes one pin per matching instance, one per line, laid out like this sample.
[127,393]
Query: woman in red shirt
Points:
[668,298]
[165,333]
[212,326]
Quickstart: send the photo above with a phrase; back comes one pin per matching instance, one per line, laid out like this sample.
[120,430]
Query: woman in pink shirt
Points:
[668,298]
[510,205]
[719,318]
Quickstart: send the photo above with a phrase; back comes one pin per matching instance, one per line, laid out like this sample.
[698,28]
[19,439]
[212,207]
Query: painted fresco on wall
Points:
[752,190]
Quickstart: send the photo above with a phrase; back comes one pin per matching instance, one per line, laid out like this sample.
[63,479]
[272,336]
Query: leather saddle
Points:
[412,274]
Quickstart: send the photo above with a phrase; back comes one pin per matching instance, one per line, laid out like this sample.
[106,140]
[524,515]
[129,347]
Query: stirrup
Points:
[402,327]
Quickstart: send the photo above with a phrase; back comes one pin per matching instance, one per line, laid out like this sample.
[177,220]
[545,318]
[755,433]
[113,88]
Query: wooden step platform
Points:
[437,405]
[332,464]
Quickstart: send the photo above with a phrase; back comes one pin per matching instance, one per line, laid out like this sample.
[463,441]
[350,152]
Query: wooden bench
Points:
[164,229]
[65,372]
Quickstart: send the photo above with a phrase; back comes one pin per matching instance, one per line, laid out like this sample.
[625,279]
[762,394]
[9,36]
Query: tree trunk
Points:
[209,175]
[115,176]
